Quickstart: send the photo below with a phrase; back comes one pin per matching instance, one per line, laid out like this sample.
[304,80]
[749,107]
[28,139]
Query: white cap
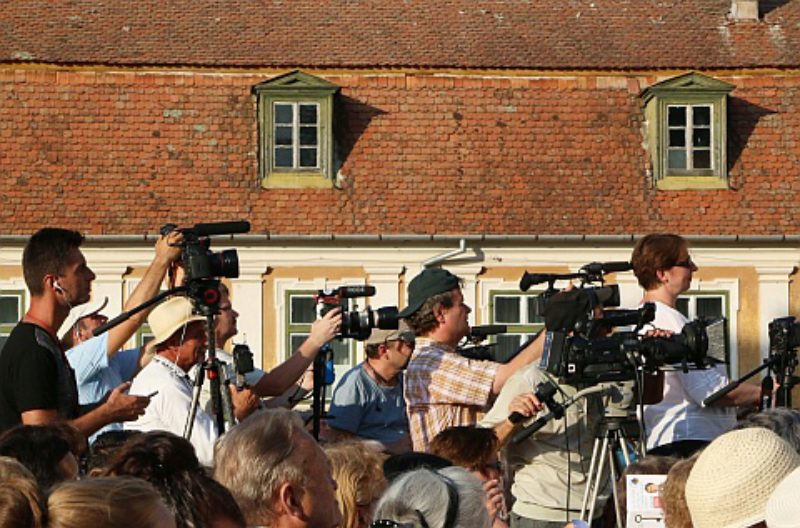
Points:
[79,312]
[783,507]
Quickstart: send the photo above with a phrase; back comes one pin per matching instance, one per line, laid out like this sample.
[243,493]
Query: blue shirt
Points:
[364,408]
[96,375]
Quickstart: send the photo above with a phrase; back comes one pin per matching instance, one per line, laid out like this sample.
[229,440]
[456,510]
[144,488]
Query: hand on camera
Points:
[326,328]
[168,247]
[123,407]
[244,401]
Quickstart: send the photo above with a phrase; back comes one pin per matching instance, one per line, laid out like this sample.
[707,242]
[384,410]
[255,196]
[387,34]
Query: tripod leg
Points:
[595,479]
[592,464]
[620,439]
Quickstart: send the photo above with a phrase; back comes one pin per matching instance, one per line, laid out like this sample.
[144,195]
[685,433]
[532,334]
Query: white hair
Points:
[422,497]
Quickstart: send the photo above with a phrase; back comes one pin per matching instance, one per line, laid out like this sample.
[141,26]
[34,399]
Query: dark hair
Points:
[424,320]
[396,465]
[468,447]
[169,463]
[46,253]
[106,445]
[654,253]
[40,448]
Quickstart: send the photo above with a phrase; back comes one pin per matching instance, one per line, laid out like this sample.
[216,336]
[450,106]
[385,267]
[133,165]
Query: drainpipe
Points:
[462,248]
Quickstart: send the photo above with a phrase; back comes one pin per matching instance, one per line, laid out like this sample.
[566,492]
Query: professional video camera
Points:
[784,339]
[355,324]
[473,349]
[593,272]
[579,354]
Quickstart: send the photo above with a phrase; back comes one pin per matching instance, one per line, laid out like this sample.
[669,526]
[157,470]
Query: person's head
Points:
[780,420]
[396,465]
[734,476]
[81,321]
[105,446]
[169,463]
[111,502]
[391,347]
[277,472]
[22,504]
[46,450]
[662,260]
[445,498]
[225,321]
[358,472]
[436,304]
[673,493]
[178,334]
[473,448]
[649,465]
[53,262]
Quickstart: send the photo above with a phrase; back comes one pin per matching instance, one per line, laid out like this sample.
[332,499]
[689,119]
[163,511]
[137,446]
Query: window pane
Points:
[295,340]
[507,344]
[677,138]
[9,309]
[308,157]
[506,309]
[683,306]
[709,306]
[701,137]
[283,135]
[308,114]
[702,159]
[701,115]
[283,157]
[3,339]
[283,113]
[308,136]
[303,310]
[677,116]
[532,316]
[676,159]
[341,352]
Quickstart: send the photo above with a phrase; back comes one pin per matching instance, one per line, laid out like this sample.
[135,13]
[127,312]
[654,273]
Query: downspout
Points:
[462,248]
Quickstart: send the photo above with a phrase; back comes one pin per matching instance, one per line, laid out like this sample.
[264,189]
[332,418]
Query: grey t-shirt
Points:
[366,409]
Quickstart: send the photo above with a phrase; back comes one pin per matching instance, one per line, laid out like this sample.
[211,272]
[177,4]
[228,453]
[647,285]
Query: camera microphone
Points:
[352,292]
[597,268]
[486,330]
[221,228]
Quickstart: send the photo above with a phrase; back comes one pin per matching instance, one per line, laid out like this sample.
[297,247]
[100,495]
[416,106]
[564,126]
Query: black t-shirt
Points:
[34,375]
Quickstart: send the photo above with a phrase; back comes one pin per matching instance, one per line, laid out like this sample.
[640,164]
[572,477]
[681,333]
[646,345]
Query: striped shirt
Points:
[444,389]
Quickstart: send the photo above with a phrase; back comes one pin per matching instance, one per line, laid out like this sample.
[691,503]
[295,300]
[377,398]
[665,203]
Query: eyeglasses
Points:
[687,263]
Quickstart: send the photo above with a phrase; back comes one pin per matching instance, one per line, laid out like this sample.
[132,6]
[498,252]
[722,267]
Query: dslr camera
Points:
[356,324]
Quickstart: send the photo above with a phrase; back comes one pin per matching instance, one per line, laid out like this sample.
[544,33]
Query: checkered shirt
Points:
[444,389]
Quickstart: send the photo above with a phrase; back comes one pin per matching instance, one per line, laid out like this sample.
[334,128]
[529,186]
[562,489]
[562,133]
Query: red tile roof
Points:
[515,34]
[123,153]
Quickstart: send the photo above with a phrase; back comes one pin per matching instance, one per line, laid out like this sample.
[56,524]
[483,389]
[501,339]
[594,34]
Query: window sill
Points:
[296,181]
[680,183]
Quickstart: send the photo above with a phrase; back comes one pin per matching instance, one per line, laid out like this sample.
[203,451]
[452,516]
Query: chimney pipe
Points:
[744,9]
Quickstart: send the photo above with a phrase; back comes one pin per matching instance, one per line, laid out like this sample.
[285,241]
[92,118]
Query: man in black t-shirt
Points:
[37,386]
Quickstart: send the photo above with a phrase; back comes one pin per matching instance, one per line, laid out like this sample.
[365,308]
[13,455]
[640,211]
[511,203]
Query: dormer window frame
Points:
[280,134]
[687,132]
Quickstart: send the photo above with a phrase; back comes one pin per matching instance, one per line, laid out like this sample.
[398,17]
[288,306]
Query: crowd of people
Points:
[416,436]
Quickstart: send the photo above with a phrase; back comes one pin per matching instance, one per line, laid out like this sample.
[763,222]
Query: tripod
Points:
[323,376]
[611,439]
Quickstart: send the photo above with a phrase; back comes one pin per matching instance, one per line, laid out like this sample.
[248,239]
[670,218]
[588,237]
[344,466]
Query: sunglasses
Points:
[688,263]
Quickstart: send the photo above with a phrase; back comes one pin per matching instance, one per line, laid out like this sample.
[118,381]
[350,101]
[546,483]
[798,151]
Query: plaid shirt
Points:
[444,389]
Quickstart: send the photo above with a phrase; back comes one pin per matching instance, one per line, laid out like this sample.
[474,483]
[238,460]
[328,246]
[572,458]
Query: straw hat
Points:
[734,477]
[170,316]
[783,508]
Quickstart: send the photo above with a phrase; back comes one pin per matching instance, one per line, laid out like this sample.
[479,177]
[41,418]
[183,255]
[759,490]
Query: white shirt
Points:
[169,409]
[681,415]
[251,378]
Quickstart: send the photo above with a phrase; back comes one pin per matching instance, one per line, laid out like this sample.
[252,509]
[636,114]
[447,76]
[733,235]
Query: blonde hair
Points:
[21,503]
[106,502]
[358,472]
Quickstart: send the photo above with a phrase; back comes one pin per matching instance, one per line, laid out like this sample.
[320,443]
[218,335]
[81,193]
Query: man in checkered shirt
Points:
[442,388]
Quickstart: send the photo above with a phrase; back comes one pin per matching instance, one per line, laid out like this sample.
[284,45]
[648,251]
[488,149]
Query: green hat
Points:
[430,282]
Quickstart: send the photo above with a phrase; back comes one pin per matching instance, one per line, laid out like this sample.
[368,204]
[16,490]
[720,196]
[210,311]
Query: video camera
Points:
[581,355]
[473,349]
[356,325]
[607,296]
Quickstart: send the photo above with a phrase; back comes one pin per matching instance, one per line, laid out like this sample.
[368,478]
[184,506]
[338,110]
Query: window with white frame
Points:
[301,313]
[12,304]
[296,136]
[703,304]
[518,312]
[689,138]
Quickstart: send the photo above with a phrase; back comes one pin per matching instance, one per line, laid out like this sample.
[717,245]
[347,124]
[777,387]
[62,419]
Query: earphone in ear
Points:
[57,287]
